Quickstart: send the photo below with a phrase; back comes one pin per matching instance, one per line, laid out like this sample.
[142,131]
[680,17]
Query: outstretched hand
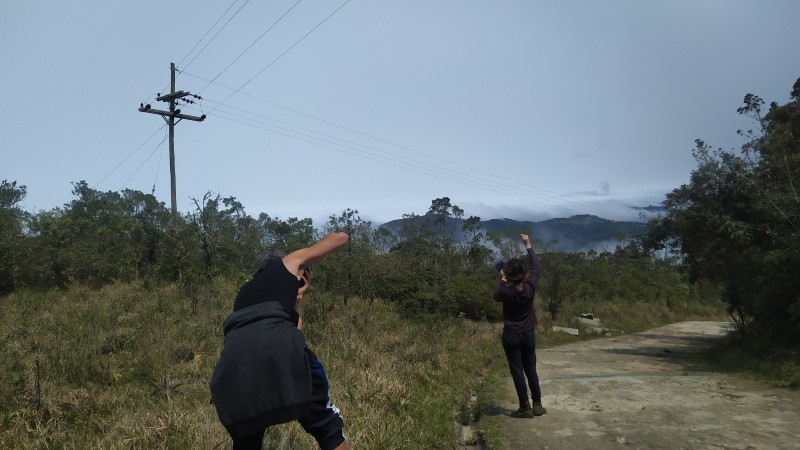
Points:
[526,240]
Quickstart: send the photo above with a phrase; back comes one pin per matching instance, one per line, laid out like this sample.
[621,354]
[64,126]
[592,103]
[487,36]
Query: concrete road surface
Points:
[638,392]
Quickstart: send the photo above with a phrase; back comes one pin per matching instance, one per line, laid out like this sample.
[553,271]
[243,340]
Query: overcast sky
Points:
[520,109]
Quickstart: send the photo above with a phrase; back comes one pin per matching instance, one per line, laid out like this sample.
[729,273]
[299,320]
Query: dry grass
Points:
[128,367]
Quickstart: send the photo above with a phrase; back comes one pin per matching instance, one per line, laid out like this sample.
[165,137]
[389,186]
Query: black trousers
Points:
[324,422]
[520,351]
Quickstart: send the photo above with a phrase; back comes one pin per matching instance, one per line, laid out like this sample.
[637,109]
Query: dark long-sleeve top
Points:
[263,376]
[518,312]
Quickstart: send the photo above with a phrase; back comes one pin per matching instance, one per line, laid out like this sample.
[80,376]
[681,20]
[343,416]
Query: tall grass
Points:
[128,366]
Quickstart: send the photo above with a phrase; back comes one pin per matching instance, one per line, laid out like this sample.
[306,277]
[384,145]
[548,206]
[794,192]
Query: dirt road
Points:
[637,391]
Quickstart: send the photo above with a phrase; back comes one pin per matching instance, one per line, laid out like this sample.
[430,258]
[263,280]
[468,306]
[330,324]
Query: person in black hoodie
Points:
[266,375]
[516,291]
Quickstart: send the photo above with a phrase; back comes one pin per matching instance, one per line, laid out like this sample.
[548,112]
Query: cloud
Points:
[604,190]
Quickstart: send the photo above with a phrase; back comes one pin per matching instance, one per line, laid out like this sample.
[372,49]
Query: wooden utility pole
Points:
[169,117]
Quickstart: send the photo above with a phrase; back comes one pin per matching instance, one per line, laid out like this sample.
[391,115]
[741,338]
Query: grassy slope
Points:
[128,367]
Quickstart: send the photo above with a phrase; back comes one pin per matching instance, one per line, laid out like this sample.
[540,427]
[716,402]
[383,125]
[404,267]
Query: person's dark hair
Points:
[514,270]
[263,260]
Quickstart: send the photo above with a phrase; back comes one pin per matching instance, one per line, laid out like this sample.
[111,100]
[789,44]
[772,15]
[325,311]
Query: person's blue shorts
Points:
[325,422]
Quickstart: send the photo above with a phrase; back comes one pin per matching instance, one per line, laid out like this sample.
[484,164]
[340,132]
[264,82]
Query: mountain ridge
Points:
[578,233]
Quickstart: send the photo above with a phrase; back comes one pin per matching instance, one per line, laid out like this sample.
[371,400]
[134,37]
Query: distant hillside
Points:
[573,234]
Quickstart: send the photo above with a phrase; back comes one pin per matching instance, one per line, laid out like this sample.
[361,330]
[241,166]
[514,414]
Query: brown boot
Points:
[523,413]
[538,409]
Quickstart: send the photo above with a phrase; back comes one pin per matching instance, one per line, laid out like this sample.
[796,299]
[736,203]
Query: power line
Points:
[420,166]
[404,165]
[285,52]
[498,184]
[159,146]
[158,168]
[250,46]
[128,157]
[149,99]
[218,31]
[549,194]
[209,31]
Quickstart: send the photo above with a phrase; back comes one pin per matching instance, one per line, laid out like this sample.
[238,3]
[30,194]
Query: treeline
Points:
[103,237]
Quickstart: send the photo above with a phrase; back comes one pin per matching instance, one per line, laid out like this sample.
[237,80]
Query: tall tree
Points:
[736,222]
[228,238]
[352,268]
[12,219]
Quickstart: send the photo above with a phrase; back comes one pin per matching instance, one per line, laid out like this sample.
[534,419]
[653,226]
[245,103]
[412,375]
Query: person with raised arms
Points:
[516,291]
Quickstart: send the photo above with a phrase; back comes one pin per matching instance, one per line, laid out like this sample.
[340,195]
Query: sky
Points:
[513,109]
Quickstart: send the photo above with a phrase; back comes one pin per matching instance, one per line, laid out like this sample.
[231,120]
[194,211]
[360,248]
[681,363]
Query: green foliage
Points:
[96,238]
[228,238]
[350,271]
[12,222]
[736,222]
[557,282]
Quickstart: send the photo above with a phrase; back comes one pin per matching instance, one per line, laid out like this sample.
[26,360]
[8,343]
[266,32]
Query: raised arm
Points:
[533,277]
[298,260]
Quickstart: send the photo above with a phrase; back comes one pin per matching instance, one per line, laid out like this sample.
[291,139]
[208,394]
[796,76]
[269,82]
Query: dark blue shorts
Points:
[325,422]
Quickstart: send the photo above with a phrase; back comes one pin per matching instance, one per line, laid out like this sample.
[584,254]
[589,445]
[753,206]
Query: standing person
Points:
[266,375]
[516,291]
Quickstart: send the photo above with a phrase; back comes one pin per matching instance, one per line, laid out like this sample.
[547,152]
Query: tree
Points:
[445,214]
[736,222]
[285,235]
[477,253]
[352,268]
[86,241]
[148,235]
[12,220]
[228,238]
[555,283]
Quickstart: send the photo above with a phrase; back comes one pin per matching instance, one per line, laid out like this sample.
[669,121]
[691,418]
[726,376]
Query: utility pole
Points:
[169,117]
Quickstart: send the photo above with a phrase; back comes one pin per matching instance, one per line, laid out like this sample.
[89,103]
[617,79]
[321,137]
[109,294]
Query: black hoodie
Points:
[263,376]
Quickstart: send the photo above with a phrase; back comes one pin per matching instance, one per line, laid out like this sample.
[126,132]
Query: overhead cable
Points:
[215,34]
[251,45]
[128,157]
[285,52]
[551,194]
[159,146]
[419,166]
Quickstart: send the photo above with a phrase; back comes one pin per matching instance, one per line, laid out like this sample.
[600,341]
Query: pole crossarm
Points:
[176,114]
